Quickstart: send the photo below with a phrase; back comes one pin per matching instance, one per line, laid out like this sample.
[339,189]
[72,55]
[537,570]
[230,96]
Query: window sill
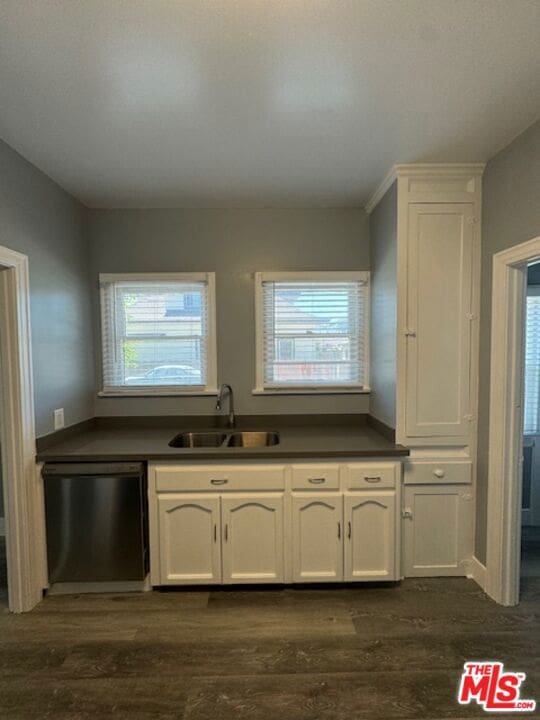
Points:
[311,391]
[146,392]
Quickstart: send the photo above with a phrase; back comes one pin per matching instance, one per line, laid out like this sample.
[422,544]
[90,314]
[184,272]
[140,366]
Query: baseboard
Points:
[76,588]
[477,572]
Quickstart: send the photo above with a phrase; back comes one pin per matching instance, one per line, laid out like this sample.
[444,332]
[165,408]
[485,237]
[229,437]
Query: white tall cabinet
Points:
[437,247]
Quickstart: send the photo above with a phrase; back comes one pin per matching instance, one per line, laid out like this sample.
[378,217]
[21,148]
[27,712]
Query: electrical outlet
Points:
[59,419]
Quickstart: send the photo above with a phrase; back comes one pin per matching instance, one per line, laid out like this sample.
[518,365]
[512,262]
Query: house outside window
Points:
[158,333]
[312,332]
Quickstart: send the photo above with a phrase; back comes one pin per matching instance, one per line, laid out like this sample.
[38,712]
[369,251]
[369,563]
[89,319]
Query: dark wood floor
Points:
[294,654]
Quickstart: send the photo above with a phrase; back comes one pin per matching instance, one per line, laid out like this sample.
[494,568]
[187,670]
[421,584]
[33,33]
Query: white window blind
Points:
[156,333]
[313,331]
[532,362]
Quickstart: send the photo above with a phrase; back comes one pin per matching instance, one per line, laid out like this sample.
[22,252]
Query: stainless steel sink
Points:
[198,439]
[253,439]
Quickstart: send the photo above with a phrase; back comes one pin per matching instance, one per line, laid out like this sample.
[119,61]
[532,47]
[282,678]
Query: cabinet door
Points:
[317,522]
[439,277]
[370,536]
[253,538]
[189,539]
[437,530]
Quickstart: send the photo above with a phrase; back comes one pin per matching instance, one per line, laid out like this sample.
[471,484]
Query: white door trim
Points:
[25,529]
[506,420]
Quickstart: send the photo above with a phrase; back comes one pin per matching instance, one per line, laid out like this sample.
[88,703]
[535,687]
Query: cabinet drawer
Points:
[315,477]
[219,478]
[371,477]
[432,473]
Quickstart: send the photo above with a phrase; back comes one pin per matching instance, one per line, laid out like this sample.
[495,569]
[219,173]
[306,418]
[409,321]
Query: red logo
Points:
[494,689]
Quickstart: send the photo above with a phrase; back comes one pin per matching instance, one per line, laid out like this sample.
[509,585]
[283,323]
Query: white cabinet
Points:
[249,532]
[370,536]
[438,320]
[189,539]
[437,530]
[253,538]
[317,537]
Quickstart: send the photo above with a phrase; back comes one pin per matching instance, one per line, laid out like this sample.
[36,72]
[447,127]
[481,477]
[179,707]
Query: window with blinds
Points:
[312,331]
[532,362]
[157,333]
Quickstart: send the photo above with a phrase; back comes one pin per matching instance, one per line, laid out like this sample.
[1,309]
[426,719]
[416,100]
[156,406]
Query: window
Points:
[312,332]
[532,361]
[158,334]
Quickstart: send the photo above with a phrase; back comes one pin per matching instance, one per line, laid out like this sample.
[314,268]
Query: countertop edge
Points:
[257,455]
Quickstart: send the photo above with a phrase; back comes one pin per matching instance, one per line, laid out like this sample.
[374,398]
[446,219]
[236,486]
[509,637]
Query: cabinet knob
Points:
[438,473]
[409,332]
[407,512]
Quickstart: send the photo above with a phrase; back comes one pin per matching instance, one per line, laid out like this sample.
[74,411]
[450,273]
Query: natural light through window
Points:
[158,333]
[532,361]
[312,331]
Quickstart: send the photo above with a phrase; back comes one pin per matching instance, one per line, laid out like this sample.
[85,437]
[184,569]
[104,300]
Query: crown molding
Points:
[415,169]
[381,191]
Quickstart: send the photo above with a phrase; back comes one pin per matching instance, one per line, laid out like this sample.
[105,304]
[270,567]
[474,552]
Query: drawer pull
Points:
[219,481]
[316,481]
[372,478]
[438,473]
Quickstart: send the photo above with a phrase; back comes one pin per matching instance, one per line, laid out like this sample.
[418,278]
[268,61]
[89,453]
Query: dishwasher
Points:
[97,528]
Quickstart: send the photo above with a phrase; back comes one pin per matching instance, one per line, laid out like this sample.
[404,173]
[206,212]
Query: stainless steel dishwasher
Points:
[96,523]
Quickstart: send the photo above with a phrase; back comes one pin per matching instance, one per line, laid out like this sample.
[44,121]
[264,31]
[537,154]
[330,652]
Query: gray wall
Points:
[383,239]
[234,244]
[511,215]
[39,219]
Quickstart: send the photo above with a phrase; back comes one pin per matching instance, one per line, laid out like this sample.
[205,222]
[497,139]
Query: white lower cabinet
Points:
[253,538]
[370,536]
[317,537]
[437,530]
[266,523]
[189,539]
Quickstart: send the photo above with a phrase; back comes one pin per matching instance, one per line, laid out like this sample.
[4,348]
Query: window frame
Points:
[211,350]
[318,276]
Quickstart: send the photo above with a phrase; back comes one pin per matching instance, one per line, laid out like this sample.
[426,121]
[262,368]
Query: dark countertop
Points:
[115,439]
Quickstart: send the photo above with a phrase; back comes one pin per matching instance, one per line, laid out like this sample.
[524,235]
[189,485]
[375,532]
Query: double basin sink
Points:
[218,438]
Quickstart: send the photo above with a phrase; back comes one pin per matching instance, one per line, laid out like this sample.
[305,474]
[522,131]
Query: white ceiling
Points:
[204,103]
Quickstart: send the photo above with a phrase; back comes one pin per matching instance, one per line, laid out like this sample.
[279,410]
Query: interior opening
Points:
[3,555]
[530,504]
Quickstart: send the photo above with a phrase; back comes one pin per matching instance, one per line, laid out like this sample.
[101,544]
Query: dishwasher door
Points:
[96,522]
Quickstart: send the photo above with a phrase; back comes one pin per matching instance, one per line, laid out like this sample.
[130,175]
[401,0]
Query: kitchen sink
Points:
[218,438]
[198,439]
[253,439]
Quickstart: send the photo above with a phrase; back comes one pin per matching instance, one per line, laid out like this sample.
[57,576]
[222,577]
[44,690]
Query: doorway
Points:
[3,558]
[24,566]
[512,424]
[530,495]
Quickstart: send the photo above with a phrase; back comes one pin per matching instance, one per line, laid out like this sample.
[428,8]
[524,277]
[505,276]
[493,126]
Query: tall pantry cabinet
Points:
[429,240]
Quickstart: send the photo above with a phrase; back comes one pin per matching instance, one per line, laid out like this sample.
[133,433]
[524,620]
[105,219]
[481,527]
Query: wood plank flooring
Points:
[372,652]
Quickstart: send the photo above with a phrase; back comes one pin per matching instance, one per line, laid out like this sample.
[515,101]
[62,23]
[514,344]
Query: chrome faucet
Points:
[222,390]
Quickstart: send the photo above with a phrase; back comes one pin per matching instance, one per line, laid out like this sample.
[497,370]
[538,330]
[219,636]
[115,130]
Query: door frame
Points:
[23,494]
[506,420]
